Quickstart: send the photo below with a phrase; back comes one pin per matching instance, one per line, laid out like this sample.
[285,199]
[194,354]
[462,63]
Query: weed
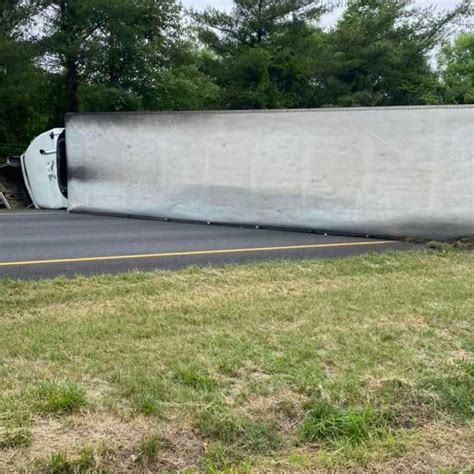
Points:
[60,463]
[58,398]
[345,454]
[455,392]
[218,458]
[222,459]
[299,460]
[16,438]
[86,459]
[220,424]
[149,448]
[195,379]
[326,422]
[147,404]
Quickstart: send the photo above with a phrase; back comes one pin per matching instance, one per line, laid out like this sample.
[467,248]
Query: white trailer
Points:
[400,171]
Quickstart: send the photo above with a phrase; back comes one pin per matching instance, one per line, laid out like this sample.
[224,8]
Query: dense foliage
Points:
[59,56]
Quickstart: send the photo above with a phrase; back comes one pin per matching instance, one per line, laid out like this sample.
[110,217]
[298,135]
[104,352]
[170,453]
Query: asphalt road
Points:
[43,244]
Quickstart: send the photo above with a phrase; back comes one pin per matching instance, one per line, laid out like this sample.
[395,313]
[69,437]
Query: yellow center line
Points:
[192,253]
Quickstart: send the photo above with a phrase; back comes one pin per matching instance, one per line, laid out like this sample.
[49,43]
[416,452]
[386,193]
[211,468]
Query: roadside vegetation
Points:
[59,56]
[361,363]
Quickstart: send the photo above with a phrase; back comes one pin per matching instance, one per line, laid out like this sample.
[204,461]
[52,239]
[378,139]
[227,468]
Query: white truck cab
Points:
[41,165]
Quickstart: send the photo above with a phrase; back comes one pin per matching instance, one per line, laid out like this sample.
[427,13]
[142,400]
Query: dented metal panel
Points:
[405,171]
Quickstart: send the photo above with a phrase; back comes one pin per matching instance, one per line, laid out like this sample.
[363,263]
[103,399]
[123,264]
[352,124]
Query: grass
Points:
[360,363]
[243,434]
[50,397]
[324,421]
[17,438]
[61,463]
[149,448]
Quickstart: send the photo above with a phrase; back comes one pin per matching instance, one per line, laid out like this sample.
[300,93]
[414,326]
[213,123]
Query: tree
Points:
[258,53]
[22,85]
[110,43]
[135,42]
[272,54]
[251,22]
[115,54]
[379,54]
[457,69]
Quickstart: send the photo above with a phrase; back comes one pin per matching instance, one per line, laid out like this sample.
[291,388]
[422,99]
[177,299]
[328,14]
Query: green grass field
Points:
[363,363]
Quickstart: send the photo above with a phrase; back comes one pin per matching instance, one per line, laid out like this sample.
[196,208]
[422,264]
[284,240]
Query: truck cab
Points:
[44,170]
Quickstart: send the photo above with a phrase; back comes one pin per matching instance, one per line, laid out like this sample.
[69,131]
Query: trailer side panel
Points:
[404,171]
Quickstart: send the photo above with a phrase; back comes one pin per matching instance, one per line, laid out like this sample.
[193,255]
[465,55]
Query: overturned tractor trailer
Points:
[397,172]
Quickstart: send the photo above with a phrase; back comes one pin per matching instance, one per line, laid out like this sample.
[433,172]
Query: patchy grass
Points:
[16,438]
[50,397]
[362,363]
[326,422]
[149,448]
[241,435]
[61,463]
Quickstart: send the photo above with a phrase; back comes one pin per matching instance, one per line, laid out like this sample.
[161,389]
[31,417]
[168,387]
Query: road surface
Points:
[43,244]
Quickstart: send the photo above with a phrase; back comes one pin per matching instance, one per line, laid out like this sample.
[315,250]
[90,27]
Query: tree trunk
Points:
[70,62]
[72,85]
[260,31]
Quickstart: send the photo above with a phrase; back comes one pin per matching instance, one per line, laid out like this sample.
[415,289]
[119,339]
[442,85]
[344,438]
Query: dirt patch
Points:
[444,447]
[115,443]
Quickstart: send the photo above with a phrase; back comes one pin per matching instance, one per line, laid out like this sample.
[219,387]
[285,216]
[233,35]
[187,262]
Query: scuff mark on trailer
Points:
[396,171]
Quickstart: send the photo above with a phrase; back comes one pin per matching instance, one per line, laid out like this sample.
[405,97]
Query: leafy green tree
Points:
[271,53]
[457,69]
[109,43]
[183,85]
[134,42]
[114,54]
[258,53]
[379,54]
[23,111]
[252,22]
